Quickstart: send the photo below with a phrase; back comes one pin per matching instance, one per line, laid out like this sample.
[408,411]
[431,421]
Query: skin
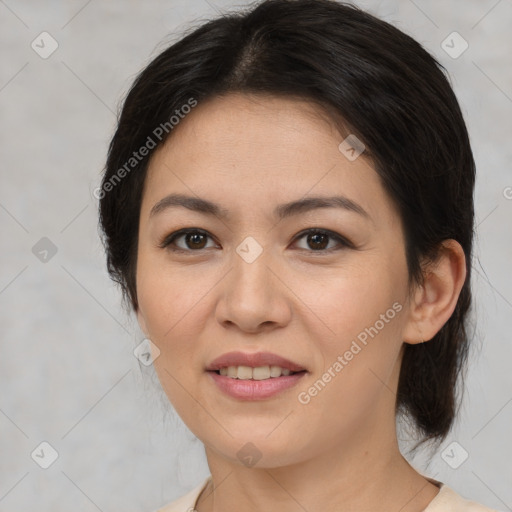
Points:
[339,451]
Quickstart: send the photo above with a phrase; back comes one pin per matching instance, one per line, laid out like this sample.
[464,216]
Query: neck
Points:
[366,474]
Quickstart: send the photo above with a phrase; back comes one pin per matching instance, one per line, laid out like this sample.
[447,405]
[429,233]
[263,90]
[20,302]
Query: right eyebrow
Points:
[192,203]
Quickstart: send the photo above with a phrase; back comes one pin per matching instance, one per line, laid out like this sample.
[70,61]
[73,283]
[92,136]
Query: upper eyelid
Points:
[181,232]
[340,238]
[171,237]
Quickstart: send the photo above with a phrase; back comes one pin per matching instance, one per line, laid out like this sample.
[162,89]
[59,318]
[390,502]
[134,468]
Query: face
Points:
[317,288]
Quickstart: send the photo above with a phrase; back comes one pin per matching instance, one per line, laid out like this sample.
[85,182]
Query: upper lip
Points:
[253,360]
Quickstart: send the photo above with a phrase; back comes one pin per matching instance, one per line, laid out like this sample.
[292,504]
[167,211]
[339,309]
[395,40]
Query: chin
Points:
[258,449]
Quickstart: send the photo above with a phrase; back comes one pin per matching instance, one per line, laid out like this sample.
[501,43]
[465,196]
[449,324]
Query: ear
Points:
[434,301]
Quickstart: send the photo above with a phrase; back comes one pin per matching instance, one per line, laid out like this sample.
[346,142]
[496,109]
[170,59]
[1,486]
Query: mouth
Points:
[258,376]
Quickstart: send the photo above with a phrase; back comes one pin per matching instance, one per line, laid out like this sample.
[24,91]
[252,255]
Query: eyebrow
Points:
[282,211]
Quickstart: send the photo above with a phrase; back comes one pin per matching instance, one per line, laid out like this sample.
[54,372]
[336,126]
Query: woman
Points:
[288,207]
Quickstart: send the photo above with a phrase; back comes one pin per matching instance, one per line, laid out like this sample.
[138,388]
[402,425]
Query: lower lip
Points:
[255,389]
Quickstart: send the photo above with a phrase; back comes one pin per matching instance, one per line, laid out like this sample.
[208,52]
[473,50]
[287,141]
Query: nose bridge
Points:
[252,294]
[251,276]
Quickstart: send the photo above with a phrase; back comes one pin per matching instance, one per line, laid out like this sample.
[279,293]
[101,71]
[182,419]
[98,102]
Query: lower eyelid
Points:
[178,236]
[169,241]
[340,241]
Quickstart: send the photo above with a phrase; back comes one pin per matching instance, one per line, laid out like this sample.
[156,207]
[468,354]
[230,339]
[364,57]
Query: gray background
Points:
[67,369]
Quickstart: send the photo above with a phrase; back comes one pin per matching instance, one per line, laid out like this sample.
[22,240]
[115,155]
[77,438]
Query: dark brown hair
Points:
[390,92]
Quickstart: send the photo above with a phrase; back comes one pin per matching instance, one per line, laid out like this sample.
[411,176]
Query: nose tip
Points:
[252,298]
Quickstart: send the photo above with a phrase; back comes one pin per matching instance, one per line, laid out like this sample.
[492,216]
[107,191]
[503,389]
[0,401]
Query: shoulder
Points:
[448,500]
[187,502]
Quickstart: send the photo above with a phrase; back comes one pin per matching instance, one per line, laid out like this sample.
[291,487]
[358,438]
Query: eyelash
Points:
[170,239]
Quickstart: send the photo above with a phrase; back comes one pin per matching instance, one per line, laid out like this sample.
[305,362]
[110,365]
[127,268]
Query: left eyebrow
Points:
[282,211]
[311,203]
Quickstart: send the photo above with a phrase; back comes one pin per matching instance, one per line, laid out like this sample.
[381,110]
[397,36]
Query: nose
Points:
[253,297]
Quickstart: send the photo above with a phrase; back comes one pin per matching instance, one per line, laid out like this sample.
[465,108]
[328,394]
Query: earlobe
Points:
[435,300]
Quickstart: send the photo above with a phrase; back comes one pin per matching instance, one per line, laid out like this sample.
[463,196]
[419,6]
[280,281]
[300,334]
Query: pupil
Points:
[195,240]
[316,240]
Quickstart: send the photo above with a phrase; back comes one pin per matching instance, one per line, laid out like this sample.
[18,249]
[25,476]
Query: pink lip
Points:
[255,389]
[252,360]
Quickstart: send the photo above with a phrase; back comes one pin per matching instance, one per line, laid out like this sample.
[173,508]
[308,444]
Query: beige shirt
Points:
[447,500]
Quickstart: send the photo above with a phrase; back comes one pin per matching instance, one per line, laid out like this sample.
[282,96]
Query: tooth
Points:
[244,372]
[275,371]
[258,373]
[261,373]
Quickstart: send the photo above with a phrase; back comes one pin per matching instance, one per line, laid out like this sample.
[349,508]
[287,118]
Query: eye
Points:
[194,240]
[318,240]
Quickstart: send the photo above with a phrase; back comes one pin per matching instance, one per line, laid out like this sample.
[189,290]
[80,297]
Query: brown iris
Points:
[317,240]
[195,240]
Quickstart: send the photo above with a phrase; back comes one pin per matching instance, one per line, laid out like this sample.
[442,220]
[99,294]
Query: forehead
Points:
[258,150]
[251,129]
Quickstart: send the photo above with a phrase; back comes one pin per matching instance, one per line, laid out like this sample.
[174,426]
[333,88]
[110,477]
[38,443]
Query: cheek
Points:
[171,304]
[352,300]
[364,312]
[175,306]
[355,378]
[169,299]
